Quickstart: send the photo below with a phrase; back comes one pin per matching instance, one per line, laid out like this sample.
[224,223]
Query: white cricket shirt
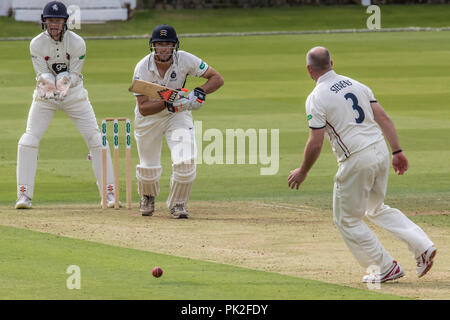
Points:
[184,64]
[50,56]
[342,106]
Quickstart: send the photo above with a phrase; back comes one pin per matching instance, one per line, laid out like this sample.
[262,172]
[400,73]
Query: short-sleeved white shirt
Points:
[184,64]
[342,106]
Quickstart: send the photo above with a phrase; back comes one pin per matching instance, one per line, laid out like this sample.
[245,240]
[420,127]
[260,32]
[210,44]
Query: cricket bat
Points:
[155,91]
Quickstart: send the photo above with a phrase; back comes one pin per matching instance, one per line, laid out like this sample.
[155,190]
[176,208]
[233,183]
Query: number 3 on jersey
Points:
[356,107]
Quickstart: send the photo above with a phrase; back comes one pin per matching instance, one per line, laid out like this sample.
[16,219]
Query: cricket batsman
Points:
[58,56]
[154,120]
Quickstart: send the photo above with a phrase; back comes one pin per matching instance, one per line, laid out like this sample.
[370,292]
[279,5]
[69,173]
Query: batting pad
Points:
[27,158]
[183,176]
[148,180]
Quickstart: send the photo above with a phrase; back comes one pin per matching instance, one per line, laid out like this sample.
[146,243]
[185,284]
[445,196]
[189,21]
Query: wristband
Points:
[398,151]
[200,94]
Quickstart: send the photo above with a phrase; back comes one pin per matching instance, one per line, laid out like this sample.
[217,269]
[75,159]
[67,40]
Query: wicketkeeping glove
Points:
[45,86]
[62,85]
[194,101]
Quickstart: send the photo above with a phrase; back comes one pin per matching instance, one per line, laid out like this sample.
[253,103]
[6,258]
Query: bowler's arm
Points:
[399,160]
[312,149]
[310,155]
[386,125]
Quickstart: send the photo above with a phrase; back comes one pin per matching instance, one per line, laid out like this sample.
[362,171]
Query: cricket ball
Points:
[157,272]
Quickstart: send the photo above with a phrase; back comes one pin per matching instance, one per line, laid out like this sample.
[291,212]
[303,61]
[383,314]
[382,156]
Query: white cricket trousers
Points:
[359,190]
[178,130]
[77,106]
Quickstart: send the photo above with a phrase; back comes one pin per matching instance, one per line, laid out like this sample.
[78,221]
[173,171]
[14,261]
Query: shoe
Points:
[393,273]
[425,261]
[23,202]
[110,200]
[147,205]
[179,211]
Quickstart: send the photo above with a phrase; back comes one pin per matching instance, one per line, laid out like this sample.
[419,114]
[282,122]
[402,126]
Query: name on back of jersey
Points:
[338,86]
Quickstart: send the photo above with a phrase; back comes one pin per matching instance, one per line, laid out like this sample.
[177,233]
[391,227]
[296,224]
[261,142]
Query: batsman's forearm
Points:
[213,83]
[151,107]
[311,154]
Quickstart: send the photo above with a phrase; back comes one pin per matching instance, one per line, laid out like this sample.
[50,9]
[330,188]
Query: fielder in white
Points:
[58,57]
[167,66]
[355,123]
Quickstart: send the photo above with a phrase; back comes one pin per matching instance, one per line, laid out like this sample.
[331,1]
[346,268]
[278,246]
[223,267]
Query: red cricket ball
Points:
[157,272]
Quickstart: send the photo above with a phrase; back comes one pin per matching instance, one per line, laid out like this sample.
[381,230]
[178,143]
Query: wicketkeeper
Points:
[168,66]
[58,56]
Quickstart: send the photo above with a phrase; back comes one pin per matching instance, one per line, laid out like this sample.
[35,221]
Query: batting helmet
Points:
[164,33]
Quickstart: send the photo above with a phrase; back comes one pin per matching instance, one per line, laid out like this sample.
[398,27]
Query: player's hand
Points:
[400,163]
[296,178]
[194,101]
[46,90]
[62,85]
[170,107]
[198,95]
[182,92]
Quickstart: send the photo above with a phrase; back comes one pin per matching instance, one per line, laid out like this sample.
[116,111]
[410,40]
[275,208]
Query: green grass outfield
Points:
[34,266]
[266,85]
[260,19]
[265,88]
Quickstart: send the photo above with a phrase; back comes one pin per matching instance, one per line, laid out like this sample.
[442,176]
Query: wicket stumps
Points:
[116,161]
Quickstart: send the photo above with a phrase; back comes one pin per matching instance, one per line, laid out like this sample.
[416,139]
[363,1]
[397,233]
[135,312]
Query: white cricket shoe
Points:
[425,261]
[179,211]
[147,205]
[394,272]
[110,200]
[23,202]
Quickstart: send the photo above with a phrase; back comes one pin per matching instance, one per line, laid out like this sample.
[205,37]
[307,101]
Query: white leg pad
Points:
[148,180]
[183,176]
[27,158]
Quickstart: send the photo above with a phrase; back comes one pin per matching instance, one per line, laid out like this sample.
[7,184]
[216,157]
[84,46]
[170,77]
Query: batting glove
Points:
[194,101]
[181,94]
[170,107]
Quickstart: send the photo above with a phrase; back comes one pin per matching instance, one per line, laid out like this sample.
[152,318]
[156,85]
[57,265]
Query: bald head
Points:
[319,59]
